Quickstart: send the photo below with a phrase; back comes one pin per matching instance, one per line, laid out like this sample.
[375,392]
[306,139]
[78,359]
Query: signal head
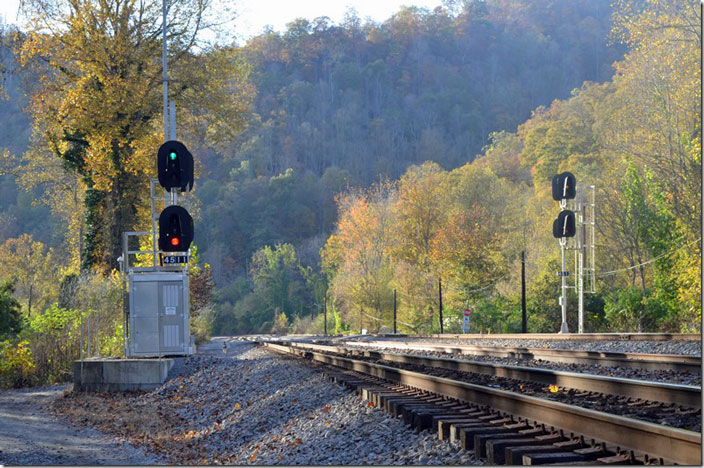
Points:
[564,186]
[175,229]
[564,225]
[175,165]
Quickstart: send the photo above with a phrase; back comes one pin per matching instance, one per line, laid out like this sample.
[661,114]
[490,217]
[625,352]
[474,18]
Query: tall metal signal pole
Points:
[165,67]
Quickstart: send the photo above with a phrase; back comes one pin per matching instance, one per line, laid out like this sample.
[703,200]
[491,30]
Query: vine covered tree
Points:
[97,104]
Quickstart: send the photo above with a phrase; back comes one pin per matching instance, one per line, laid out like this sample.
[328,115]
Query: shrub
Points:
[280,323]
[201,322]
[302,325]
[16,365]
[55,342]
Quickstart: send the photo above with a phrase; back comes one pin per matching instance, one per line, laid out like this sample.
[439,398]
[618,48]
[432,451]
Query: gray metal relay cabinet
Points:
[158,314]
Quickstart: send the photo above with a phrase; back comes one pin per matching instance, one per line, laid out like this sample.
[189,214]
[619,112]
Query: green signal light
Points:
[172,155]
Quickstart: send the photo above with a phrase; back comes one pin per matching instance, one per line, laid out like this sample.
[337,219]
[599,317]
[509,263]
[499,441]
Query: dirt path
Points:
[32,436]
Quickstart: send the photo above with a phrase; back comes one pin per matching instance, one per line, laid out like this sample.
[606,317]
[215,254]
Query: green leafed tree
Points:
[10,312]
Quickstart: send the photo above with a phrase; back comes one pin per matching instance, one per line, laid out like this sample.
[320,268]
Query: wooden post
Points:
[524,320]
[440,296]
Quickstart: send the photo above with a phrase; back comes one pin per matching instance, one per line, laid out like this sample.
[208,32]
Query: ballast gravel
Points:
[252,406]
[689,348]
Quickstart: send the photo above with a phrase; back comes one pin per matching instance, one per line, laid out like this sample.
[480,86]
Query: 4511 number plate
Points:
[174,259]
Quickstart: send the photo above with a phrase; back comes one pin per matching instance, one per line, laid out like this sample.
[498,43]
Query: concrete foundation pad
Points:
[119,375]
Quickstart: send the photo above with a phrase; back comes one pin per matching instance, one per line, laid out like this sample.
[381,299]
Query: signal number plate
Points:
[174,259]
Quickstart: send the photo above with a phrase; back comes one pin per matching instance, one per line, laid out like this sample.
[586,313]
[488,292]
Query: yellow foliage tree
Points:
[31,266]
[358,255]
[97,105]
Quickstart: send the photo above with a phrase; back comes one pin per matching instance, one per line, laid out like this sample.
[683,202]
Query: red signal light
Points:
[175,241]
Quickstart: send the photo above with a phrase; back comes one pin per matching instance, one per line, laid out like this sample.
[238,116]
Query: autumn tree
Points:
[653,118]
[420,212]
[31,265]
[97,104]
[357,258]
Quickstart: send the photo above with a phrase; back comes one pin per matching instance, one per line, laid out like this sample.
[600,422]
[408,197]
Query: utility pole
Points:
[394,311]
[524,322]
[440,297]
[325,314]
[360,320]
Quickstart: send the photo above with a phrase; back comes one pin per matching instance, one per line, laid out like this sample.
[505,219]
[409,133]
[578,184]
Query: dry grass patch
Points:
[134,417]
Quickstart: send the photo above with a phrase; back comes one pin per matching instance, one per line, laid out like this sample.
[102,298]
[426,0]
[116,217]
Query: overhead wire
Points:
[666,254]
[398,321]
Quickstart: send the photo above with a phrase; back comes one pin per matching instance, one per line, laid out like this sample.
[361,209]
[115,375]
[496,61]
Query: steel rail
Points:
[678,362]
[687,395]
[679,445]
[570,336]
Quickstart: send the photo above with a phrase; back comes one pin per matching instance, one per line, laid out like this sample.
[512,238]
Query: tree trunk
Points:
[93,203]
[29,301]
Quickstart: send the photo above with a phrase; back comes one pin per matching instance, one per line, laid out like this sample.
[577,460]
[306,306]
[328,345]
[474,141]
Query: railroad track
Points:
[686,395]
[692,364]
[505,426]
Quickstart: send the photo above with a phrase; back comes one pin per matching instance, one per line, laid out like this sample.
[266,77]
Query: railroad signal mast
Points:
[157,317]
[575,229]
[156,311]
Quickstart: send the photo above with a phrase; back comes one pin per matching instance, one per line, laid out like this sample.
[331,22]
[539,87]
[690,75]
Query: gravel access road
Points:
[30,435]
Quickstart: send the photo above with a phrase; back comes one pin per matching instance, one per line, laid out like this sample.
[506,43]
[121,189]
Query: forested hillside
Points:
[337,163]
[342,106]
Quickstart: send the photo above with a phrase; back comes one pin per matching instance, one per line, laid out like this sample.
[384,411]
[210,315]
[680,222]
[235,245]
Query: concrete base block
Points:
[118,375]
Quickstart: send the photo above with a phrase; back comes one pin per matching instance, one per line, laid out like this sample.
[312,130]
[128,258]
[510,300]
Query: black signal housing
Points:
[564,186]
[564,225]
[175,166]
[175,229]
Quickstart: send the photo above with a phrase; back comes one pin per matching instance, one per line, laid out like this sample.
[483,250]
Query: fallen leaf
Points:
[326,408]
[553,388]
[370,404]
[237,406]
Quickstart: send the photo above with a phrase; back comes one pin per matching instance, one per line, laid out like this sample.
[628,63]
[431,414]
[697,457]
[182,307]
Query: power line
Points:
[413,327]
[607,273]
[377,319]
[416,296]
[453,288]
